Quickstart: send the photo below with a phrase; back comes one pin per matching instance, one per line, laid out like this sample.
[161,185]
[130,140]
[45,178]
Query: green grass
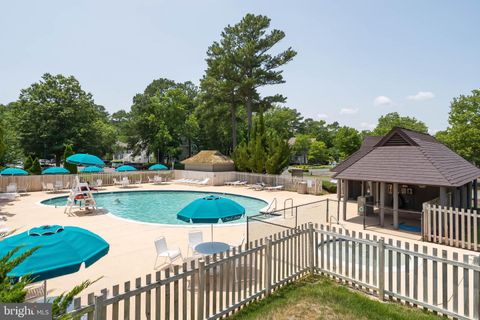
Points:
[321,298]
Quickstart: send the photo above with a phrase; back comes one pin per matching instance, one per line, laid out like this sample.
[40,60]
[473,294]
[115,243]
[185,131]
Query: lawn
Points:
[321,298]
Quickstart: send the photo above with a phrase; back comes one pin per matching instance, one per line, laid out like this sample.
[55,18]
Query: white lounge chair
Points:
[194,238]
[274,188]
[240,183]
[163,251]
[4,230]
[203,182]
[58,185]
[232,183]
[9,196]
[157,180]
[270,207]
[116,182]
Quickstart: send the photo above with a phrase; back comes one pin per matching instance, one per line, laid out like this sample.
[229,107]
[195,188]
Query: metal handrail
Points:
[336,220]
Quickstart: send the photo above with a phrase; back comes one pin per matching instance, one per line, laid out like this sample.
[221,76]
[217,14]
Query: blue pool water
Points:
[157,206]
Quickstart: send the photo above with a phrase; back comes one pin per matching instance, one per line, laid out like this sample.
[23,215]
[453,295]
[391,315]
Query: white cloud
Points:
[367,126]
[348,110]
[422,95]
[322,116]
[382,101]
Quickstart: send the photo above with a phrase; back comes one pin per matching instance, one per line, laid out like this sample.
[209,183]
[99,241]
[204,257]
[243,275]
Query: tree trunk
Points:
[233,111]
[248,104]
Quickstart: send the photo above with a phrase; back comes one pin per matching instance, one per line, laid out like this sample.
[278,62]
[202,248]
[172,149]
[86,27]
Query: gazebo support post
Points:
[475,194]
[443,196]
[395,205]
[382,204]
[469,195]
[345,198]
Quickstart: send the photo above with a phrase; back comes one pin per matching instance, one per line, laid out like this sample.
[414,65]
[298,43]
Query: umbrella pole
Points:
[211,232]
[44,291]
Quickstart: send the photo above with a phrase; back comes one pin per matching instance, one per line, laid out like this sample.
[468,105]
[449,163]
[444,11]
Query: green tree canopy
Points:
[159,116]
[463,132]
[347,140]
[56,111]
[302,146]
[285,122]
[390,120]
[318,153]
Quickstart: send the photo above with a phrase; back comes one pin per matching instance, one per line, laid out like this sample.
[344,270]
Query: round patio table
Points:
[211,247]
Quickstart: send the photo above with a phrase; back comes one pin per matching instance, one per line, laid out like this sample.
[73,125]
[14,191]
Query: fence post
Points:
[311,248]
[268,267]
[424,220]
[326,220]
[476,289]
[201,290]
[381,269]
[248,231]
[98,308]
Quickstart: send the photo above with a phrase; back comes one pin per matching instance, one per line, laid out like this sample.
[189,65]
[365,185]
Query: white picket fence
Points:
[219,285]
[451,226]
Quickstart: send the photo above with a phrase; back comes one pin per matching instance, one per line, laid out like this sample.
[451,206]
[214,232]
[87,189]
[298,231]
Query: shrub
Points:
[28,163]
[329,186]
[69,166]
[36,168]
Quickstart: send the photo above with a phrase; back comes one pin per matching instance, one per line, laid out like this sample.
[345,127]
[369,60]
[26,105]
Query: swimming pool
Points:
[157,206]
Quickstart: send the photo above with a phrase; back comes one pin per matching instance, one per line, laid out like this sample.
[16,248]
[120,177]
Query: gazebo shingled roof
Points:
[407,157]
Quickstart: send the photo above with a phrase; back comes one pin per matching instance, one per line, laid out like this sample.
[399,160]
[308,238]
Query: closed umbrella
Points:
[125,168]
[55,170]
[61,251]
[211,209]
[91,169]
[86,160]
[13,172]
[157,166]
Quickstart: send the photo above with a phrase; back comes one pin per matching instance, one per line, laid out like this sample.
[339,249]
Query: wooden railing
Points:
[219,285]
[451,226]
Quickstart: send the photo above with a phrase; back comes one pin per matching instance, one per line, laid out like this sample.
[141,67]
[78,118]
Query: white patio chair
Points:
[139,181]
[58,185]
[194,238]
[50,187]
[12,188]
[99,183]
[163,251]
[203,182]
[125,182]
[150,180]
[44,186]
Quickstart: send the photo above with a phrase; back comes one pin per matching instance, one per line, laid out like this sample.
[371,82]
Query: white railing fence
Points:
[443,282]
[33,183]
[451,226]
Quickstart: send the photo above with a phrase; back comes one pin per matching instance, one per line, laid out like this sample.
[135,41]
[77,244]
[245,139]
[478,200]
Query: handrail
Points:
[273,202]
[336,220]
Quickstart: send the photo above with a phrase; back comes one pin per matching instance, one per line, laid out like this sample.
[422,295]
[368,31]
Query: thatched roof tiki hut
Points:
[403,170]
[209,160]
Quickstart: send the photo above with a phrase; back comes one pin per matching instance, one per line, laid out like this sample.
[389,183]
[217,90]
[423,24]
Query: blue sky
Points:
[356,59]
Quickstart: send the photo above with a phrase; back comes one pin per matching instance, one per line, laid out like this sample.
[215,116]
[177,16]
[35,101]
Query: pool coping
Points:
[190,225]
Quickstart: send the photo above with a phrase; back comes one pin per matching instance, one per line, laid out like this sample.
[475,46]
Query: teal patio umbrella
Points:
[61,251]
[125,168]
[55,170]
[211,209]
[91,169]
[13,172]
[157,166]
[86,160]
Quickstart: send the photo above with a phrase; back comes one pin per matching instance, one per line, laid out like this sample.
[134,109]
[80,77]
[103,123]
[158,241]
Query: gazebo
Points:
[210,161]
[404,169]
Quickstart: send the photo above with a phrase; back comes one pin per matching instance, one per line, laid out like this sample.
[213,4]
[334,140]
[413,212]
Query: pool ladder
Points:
[285,207]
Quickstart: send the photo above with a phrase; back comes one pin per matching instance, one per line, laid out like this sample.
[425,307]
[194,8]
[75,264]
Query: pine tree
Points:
[67,153]
[36,168]
[28,163]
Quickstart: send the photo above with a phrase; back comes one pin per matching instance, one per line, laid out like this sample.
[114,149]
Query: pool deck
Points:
[132,251]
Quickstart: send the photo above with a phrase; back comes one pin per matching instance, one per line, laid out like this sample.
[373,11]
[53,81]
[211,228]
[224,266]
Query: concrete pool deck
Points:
[132,251]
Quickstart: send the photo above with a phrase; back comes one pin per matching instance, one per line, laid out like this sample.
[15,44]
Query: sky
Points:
[357,59]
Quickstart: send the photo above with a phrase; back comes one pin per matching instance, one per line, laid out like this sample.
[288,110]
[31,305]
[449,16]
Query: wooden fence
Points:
[290,183]
[451,226]
[32,183]
[443,282]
